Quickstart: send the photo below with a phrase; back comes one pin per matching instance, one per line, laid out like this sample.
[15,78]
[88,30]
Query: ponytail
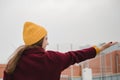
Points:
[14,59]
[17,54]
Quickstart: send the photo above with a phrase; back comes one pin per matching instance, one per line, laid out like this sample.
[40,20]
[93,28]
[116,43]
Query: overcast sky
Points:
[78,22]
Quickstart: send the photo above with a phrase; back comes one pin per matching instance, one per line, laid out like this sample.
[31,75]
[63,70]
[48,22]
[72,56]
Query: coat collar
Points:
[35,50]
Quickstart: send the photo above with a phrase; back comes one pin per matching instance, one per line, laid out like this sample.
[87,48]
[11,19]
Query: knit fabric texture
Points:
[33,33]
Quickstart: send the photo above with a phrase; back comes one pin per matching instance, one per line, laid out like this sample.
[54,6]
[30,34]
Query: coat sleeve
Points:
[66,59]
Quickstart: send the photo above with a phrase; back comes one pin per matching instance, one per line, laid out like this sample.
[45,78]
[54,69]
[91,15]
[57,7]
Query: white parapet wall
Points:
[86,74]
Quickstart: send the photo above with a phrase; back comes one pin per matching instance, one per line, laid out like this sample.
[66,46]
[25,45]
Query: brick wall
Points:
[2,67]
[74,70]
[107,64]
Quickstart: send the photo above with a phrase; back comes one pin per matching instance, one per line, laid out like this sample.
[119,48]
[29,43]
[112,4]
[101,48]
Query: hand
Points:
[107,45]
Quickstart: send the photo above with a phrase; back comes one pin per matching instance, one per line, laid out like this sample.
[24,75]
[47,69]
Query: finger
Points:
[113,43]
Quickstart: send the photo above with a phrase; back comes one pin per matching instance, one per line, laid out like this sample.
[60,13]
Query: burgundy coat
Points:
[38,64]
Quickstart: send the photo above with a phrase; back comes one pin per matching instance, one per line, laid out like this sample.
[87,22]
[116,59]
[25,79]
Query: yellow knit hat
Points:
[32,33]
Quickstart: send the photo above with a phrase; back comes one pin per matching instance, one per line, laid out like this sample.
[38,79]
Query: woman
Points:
[32,62]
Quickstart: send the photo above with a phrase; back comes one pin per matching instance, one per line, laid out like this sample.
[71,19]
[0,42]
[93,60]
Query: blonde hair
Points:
[12,63]
[14,59]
